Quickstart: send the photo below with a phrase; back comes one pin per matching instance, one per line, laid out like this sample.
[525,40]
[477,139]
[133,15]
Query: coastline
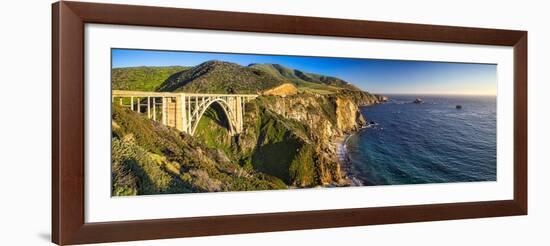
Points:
[345,162]
[382,152]
[351,177]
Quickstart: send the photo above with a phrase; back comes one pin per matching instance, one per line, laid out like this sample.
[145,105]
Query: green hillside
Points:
[220,77]
[223,77]
[305,81]
[142,78]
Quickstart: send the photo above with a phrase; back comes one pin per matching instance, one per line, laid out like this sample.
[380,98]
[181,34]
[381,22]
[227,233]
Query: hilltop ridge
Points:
[220,77]
[216,76]
[303,79]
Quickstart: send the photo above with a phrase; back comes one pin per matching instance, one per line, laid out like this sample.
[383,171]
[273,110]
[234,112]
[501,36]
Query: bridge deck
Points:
[121,93]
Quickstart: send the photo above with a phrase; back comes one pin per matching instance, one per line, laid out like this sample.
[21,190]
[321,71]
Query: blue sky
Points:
[374,75]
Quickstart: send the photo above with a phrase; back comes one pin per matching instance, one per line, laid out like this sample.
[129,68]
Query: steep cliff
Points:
[293,137]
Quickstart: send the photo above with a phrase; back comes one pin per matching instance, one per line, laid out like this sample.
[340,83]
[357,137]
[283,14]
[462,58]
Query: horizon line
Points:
[430,94]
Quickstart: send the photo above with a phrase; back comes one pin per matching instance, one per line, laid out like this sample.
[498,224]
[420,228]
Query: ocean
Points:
[431,142]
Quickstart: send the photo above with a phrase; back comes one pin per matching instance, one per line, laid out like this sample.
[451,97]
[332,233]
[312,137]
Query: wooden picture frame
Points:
[68,223]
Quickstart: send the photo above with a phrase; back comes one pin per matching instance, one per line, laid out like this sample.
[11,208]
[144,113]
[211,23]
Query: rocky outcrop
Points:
[382,98]
[348,116]
[285,89]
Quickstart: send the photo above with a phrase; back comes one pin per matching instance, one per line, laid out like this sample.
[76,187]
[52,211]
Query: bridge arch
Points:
[182,110]
[199,113]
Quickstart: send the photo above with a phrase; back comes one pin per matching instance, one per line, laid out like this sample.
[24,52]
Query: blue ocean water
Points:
[432,142]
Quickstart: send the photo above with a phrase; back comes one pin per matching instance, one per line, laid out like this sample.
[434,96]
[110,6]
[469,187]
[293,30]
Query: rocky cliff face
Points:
[293,137]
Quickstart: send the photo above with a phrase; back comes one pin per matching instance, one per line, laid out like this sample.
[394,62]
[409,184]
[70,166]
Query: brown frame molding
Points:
[68,19]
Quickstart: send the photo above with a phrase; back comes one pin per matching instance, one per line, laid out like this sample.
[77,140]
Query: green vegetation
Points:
[302,169]
[134,171]
[226,77]
[276,148]
[220,77]
[213,129]
[306,82]
[223,77]
[142,78]
[149,158]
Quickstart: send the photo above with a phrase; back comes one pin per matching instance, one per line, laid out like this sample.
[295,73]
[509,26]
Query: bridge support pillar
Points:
[183,114]
[239,115]
[164,110]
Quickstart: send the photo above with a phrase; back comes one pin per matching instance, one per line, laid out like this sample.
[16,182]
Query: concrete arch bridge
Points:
[184,110]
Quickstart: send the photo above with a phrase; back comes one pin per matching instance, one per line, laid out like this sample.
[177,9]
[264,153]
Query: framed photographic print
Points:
[175,122]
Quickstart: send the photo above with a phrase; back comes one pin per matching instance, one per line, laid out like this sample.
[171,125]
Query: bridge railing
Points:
[122,93]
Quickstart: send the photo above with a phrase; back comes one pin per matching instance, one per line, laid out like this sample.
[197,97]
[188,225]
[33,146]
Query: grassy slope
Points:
[221,77]
[149,158]
[142,78]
